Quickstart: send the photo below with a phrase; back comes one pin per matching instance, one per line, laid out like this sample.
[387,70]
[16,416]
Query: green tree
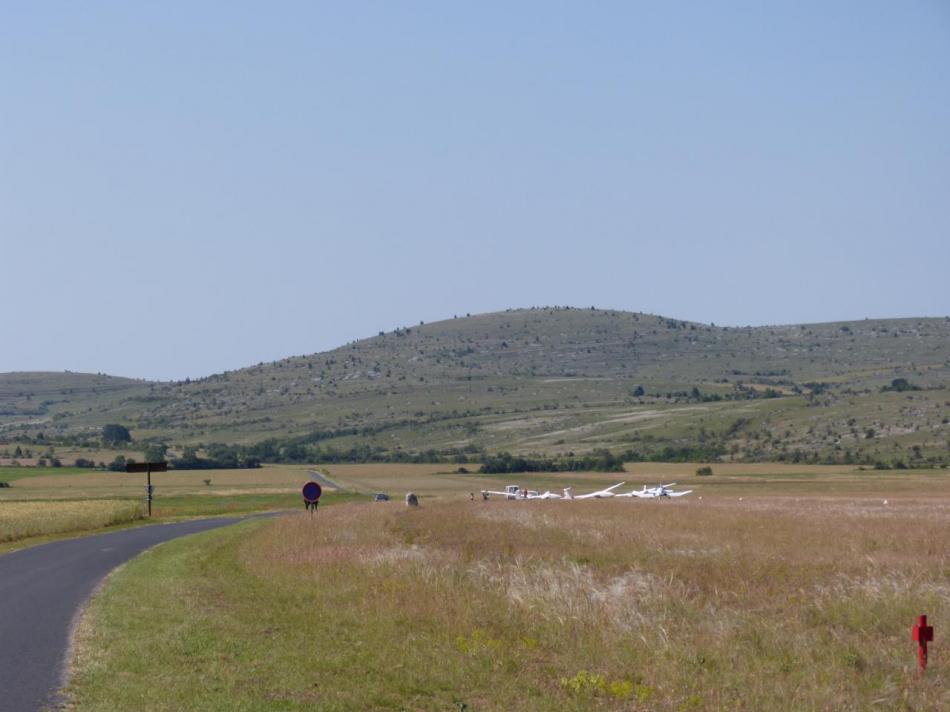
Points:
[113,434]
[155,452]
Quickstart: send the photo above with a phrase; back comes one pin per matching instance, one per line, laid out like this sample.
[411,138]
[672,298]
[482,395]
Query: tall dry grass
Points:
[20,520]
[764,604]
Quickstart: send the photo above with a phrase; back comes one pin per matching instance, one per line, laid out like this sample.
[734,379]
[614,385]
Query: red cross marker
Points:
[923,634]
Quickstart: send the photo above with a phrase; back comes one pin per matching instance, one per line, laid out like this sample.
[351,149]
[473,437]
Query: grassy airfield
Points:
[770,588]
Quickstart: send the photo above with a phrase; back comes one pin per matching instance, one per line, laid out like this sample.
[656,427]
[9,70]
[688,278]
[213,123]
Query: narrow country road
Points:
[42,588]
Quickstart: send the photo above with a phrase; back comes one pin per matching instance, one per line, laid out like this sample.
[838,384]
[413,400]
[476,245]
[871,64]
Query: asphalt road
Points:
[42,588]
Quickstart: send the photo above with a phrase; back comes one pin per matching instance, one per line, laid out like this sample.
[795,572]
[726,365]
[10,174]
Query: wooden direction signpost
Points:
[148,468]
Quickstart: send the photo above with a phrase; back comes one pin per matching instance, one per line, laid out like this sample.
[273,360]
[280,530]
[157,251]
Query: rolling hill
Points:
[547,380]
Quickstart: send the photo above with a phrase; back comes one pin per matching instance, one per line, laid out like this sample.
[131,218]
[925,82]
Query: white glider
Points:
[516,492]
[653,492]
[599,494]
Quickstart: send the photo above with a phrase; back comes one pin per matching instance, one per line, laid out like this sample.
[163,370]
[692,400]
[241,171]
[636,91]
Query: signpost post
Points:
[148,468]
[311,496]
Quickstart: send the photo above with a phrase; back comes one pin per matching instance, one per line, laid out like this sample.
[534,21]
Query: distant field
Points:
[48,502]
[67,457]
[10,474]
[51,483]
[185,494]
[728,479]
[185,506]
[444,481]
[774,591]
[25,523]
[79,483]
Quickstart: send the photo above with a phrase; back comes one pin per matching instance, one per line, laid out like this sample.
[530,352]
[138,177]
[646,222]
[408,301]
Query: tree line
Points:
[600,460]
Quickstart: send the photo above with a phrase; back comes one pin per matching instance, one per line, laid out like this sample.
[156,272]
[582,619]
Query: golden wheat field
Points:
[19,520]
[185,482]
[431,479]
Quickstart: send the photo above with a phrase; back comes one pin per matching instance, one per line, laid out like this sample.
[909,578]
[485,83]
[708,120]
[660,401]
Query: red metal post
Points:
[922,634]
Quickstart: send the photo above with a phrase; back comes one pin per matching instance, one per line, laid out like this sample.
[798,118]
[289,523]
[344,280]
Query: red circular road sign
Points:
[312,492]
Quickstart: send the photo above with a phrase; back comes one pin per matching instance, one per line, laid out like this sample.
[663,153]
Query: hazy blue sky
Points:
[238,182]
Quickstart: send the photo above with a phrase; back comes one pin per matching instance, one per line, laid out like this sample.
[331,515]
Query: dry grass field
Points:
[780,600]
[22,520]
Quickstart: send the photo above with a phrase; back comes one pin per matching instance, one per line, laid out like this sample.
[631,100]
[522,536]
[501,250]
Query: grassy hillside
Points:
[37,394]
[551,380]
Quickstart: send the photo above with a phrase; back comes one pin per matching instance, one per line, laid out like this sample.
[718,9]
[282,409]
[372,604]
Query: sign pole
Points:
[147,468]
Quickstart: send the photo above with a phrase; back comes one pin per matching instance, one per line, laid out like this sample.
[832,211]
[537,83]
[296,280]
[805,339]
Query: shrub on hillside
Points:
[899,385]
[113,434]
